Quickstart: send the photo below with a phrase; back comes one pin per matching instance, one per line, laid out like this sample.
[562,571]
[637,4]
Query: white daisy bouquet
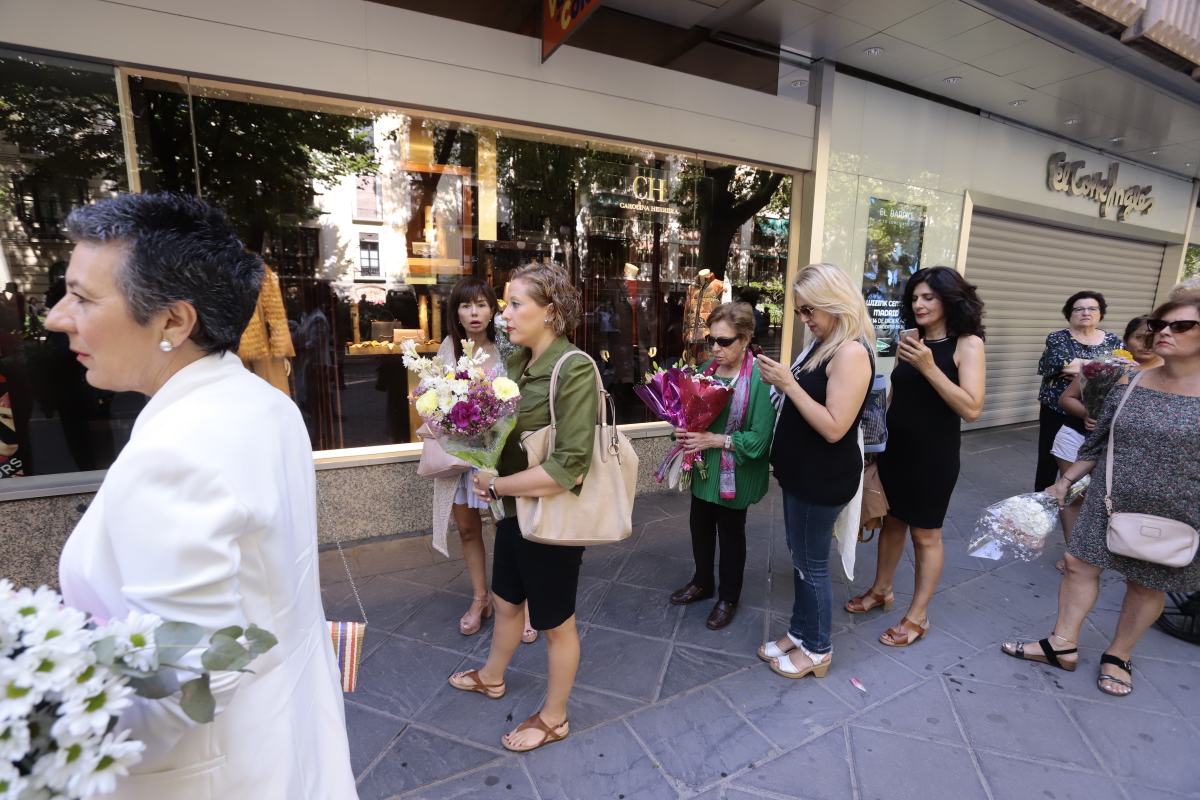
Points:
[1019,525]
[472,411]
[64,681]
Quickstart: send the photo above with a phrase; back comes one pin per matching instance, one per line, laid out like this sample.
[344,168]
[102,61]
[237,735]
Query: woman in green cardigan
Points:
[736,449]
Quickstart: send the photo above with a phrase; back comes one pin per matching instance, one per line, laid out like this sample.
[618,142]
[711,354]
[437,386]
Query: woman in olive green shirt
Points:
[736,449]
[542,307]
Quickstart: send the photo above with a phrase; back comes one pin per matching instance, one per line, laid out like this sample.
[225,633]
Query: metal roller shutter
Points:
[1025,272]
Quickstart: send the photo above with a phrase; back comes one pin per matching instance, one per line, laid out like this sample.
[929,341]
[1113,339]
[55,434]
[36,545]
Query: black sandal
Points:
[1108,658]
[1048,655]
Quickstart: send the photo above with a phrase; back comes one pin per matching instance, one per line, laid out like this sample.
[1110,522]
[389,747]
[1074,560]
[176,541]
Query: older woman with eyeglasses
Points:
[1155,470]
[735,450]
[1066,350]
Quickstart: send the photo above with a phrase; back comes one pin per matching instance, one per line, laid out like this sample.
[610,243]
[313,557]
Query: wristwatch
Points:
[492,488]
[728,442]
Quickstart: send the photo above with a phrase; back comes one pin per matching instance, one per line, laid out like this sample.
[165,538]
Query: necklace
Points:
[936,341]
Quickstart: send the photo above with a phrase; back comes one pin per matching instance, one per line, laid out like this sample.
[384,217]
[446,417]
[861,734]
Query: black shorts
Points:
[546,575]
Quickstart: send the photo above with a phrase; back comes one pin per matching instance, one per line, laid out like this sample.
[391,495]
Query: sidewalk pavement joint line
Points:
[1105,767]
[662,673]
[406,638]
[851,763]
[910,735]
[382,753]
[732,707]
[497,750]
[1062,694]
[679,786]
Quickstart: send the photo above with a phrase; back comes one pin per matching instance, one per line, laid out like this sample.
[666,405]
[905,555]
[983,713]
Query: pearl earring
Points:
[546,322]
[165,345]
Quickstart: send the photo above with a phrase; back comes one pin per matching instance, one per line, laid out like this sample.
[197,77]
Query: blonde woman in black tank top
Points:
[815,455]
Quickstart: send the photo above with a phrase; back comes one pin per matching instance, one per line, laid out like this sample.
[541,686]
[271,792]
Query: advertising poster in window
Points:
[894,233]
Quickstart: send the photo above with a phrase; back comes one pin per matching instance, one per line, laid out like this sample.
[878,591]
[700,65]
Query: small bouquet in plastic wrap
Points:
[1019,525]
[471,410]
[65,679]
[1097,377]
[687,399]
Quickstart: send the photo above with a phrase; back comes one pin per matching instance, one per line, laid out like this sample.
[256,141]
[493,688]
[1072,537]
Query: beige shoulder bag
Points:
[1144,536]
[602,512]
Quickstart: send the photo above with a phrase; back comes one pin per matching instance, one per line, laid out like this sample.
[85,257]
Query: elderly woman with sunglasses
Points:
[1155,470]
[735,450]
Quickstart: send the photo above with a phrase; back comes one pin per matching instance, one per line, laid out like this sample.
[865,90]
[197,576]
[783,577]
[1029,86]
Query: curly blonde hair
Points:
[550,286]
[830,289]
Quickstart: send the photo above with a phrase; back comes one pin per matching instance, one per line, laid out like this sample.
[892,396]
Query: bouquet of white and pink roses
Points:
[471,411]
[64,681]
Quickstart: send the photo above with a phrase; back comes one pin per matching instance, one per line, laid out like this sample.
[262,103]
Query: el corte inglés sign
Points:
[1070,178]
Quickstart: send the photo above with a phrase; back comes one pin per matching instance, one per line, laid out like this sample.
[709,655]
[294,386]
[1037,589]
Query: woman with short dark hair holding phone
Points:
[937,383]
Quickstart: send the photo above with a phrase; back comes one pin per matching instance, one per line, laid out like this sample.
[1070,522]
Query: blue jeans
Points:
[809,529]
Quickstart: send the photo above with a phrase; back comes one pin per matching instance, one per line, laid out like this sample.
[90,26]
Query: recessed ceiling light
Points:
[1071,121]
[873,51]
[952,79]
[1015,103]
[1153,152]
[1188,164]
[1116,140]
[799,83]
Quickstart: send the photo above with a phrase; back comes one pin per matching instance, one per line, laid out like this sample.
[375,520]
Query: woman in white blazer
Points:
[209,513]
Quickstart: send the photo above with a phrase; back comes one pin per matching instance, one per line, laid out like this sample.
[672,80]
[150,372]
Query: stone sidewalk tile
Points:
[1148,749]
[818,770]
[604,762]
[416,758]
[665,709]
[894,767]
[698,738]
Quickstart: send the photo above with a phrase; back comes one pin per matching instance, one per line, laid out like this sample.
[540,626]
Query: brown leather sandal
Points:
[857,605]
[904,634]
[549,735]
[470,681]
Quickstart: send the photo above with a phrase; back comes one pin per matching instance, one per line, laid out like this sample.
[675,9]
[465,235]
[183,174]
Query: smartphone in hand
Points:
[756,350]
[910,333]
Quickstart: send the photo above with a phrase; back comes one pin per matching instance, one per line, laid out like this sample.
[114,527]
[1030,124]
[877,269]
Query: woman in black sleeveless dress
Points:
[938,381]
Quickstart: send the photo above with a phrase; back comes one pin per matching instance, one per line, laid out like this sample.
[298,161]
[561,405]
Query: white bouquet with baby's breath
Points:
[65,679]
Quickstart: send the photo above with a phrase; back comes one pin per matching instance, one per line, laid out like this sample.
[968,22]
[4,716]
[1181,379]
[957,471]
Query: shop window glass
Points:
[369,216]
[60,147]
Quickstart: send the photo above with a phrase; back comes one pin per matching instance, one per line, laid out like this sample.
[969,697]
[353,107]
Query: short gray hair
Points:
[178,248]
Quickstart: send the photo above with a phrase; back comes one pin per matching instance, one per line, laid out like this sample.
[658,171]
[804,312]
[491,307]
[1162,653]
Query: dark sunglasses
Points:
[1178,326]
[724,341]
[805,311]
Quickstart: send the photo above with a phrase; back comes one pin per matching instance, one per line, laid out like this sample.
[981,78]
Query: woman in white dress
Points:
[473,310]
[208,515]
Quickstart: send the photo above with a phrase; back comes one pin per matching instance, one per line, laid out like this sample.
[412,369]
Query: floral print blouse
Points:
[1061,349]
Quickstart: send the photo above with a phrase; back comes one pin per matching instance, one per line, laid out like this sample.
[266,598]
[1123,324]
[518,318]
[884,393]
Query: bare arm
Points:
[849,376]
[1071,400]
[532,482]
[965,397]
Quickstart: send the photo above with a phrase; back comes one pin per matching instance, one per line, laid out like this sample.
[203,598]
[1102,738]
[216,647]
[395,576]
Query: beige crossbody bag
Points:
[1144,536]
[602,512]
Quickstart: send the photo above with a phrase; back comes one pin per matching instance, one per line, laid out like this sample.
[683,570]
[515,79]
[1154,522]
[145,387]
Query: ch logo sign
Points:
[647,188]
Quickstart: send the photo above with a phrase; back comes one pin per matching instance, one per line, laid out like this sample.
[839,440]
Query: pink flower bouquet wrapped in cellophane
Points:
[471,411]
[687,399]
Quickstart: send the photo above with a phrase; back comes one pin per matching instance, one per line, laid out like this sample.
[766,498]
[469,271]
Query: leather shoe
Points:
[689,594]
[722,615]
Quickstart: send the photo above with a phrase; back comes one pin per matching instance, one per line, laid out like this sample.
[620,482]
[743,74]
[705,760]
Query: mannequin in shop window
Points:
[16,387]
[703,296]
[266,344]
